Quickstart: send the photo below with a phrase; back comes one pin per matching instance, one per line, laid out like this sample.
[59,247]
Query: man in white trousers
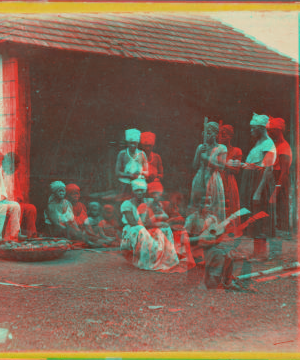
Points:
[10,214]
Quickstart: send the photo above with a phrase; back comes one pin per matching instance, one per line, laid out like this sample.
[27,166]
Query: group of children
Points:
[67,217]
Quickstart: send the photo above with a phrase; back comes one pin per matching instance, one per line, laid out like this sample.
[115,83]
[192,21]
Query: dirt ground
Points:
[96,301]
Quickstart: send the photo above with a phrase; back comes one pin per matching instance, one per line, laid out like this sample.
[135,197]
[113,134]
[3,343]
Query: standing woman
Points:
[281,171]
[257,184]
[210,160]
[131,162]
[155,168]
[231,169]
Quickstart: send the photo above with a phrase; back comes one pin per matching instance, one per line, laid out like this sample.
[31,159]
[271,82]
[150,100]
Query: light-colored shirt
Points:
[128,205]
[258,156]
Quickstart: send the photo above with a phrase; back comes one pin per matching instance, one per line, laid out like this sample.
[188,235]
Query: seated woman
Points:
[93,233]
[59,214]
[79,209]
[110,225]
[148,250]
[168,214]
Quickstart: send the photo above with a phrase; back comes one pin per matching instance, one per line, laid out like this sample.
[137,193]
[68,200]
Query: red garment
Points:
[28,219]
[232,198]
[155,168]
[80,213]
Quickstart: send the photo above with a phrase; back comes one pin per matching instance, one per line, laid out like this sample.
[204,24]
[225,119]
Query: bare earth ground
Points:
[100,303]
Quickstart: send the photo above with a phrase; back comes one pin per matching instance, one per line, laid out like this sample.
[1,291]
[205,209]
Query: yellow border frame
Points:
[81,7]
[98,7]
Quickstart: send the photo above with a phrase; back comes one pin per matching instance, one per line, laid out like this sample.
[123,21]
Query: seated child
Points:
[79,209]
[110,225]
[59,214]
[167,215]
[93,233]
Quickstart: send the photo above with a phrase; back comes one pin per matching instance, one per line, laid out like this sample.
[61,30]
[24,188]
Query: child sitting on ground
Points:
[93,233]
[110,225]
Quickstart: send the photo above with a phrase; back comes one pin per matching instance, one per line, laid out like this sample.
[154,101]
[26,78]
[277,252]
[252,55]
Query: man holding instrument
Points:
[217,241]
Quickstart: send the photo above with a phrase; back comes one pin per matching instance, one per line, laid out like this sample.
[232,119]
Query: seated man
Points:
[79,209]
[15,194]
[10,214]
[218,248]
[93,233]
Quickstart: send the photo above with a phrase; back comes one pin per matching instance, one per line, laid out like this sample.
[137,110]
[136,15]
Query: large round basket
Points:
[34,249]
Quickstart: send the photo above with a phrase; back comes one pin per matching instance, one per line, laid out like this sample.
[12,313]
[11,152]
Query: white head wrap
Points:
[259,120]
[132,135]
[57,185]
[139,184]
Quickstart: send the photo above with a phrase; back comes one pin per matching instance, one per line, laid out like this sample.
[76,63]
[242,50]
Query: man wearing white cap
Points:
[257,184]
[131,162]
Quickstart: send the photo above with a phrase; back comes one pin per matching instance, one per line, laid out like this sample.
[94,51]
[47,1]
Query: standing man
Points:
[257,185]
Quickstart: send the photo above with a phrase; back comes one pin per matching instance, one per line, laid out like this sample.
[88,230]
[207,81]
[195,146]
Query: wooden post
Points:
[15,122]
[294,142]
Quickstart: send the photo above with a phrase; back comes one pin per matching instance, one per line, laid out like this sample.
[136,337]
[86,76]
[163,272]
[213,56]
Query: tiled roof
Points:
[185,38]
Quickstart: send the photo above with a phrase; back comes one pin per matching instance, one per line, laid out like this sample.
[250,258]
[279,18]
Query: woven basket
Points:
[30,254]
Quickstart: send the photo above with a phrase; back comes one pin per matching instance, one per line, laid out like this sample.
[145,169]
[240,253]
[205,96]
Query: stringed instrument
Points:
[216,230]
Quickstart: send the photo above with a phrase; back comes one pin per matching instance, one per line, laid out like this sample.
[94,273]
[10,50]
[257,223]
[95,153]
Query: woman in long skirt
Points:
[231,169]
[210,160]
[148,250]
[257,185]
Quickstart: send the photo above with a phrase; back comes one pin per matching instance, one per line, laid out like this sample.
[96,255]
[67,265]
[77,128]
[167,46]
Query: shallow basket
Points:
[30,254]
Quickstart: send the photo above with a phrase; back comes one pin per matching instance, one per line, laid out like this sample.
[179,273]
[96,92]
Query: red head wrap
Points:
[276,123]
[148,138]
[108,209]
[155,186]
[228,129]
[71,188]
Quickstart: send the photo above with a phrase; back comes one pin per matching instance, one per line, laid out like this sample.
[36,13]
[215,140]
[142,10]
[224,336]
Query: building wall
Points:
[82,105]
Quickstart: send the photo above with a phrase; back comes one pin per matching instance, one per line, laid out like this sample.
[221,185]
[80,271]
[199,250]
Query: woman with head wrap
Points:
[59,213]
[131,162]
[257,185]
[281,170]
[232,167]
[155,168]
[79,209]
[209,161]
[146,248]
[163,216]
